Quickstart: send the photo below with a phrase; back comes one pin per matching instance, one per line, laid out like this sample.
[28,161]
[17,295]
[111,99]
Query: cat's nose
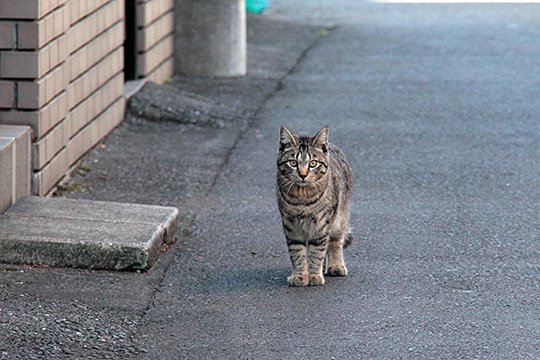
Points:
[302,176]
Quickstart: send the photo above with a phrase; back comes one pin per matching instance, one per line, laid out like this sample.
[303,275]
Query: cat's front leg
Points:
[316,254]
[336,264]
[298,255]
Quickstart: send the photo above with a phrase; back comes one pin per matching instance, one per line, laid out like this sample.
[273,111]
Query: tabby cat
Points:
[314,183]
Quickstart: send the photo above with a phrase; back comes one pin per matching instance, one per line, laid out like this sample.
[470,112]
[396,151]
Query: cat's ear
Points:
[321,139]
[287,138]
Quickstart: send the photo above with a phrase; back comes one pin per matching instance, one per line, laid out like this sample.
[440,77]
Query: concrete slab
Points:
[22,135]
[85,234]
[6,174]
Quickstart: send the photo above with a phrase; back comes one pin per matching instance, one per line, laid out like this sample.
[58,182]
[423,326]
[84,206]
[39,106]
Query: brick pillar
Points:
[155,39]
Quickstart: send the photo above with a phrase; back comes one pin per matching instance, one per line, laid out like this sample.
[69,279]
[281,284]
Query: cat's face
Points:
[302,160]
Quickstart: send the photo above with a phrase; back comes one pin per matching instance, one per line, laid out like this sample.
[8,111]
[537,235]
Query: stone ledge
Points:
[85,234]
[6,173]
[21,160]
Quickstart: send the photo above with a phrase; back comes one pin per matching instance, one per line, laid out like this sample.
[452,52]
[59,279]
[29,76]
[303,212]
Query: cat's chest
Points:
[304,220]
[303,226]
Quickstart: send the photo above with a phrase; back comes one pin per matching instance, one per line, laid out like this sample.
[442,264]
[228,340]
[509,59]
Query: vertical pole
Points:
[211,37]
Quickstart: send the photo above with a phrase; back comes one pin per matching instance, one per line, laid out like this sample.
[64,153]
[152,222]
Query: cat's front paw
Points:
[316,280]
[298,280]
[337,270]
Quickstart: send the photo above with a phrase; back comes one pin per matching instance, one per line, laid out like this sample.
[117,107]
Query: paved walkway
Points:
[436,107]
[436,110]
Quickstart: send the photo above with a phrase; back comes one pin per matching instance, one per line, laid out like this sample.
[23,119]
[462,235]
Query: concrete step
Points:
[6,174]
[85,234]
[15,173]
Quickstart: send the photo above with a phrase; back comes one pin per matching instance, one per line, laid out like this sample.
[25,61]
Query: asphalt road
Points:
[436,108]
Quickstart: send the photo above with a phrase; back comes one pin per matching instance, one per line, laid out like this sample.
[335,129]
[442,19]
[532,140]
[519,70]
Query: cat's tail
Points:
[348,240]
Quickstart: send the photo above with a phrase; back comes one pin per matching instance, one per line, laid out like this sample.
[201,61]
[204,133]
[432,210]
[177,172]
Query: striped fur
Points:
[314,183]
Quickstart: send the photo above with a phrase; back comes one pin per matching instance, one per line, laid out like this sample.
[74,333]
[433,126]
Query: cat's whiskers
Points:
[316,186]
[289,188]
[285,185]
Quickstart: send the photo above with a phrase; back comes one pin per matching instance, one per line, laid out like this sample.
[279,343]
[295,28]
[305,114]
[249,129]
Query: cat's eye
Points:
[293,163]
[313,163]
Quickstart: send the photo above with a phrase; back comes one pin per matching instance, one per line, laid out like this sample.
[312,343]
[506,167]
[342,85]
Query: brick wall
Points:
[61,67]
[155,39]
[61,72]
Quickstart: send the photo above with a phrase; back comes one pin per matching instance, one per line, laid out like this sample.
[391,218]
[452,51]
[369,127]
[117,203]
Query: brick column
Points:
[155,39]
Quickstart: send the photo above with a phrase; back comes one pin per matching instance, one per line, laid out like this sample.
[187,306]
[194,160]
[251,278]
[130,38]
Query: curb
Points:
[86,234]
